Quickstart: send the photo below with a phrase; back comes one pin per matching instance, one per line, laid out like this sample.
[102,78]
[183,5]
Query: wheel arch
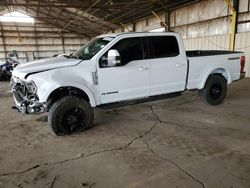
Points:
[63,91]
[222,71]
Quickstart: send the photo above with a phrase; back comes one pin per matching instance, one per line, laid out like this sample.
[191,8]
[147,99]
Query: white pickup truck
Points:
[114,68]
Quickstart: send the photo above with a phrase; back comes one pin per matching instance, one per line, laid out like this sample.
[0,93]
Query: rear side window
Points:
[163,46]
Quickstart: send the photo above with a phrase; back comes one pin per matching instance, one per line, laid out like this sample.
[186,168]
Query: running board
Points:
[143,100]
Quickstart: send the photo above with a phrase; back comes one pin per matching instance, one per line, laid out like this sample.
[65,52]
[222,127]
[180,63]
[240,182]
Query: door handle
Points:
[143,68]
[179,64]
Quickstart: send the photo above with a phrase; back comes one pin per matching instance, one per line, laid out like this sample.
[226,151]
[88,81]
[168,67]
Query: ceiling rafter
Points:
[92,17]
[94,29]
[61,23]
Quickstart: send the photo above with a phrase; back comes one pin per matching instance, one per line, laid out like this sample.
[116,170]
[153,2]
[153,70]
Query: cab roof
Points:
[128,33]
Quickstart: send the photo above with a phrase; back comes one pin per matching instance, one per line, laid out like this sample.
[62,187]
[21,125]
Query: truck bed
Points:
[203,63]
[199,53]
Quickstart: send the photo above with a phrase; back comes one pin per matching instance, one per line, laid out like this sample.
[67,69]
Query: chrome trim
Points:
[233,58]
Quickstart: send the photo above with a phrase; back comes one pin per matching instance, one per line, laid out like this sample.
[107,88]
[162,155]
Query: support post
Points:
[167,19]
[63,43]
[37,49]
[234,8]
[134,27]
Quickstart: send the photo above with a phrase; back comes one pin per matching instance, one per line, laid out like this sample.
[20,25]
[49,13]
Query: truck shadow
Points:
[101,117]
[42,119]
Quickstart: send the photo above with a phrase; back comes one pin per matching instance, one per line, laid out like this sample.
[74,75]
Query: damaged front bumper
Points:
[27,107]
[25,97]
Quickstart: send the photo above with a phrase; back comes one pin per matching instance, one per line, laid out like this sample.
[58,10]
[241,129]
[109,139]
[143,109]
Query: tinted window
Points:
[130,49]
[163,46]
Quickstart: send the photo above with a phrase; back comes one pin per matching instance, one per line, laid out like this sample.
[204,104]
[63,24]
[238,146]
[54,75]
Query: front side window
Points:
[92,48]
[163,46]
[130,49]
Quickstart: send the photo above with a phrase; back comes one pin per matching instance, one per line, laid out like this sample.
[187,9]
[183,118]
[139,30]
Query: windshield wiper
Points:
[71,56]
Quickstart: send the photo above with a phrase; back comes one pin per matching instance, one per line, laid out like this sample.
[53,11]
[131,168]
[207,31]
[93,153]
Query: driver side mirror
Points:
[114,58]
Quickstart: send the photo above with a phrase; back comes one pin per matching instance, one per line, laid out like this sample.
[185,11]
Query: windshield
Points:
[89,50]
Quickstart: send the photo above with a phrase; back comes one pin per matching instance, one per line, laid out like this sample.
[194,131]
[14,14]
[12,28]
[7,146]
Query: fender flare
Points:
[83,88]
[216,70]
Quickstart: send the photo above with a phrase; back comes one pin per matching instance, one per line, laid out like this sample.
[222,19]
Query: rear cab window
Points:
[163,46]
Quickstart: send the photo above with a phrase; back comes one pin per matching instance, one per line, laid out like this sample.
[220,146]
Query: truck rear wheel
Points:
[215,90]
[70,115]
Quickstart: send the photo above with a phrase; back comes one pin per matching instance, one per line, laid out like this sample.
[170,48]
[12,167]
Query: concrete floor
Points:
[178,142]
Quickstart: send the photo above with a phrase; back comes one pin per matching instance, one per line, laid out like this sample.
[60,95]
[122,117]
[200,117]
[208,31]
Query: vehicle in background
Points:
[59,55]
[7,67]
[117,68]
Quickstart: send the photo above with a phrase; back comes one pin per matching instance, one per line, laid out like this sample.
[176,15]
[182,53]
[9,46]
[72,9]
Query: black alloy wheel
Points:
[74,120]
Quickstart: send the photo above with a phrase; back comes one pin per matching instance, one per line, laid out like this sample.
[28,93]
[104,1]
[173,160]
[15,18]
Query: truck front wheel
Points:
[69,115]
[215,90]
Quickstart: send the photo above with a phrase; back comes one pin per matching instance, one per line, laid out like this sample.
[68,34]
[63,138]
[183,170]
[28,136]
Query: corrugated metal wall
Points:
[34,41]
[218,42]
[206,26]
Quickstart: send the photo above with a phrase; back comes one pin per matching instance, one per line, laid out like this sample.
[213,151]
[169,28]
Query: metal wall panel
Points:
[245,26]
[204,10]
[153,20]
[218,42]
[243,5]
[40,40]
[208,17]
[243,44]
[140,25]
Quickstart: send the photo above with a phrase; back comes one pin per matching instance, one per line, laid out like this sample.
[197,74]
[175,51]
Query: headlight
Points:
[12,81]
[31,87]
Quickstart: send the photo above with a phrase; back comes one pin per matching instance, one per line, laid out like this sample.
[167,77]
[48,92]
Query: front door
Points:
[130,79]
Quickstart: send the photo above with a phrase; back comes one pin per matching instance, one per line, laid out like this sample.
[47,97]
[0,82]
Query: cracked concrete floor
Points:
[177,142]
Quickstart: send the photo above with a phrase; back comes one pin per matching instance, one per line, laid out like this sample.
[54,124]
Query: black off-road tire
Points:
[215,90]
[70,115]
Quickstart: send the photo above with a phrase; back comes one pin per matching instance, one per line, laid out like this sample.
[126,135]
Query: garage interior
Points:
[175,142]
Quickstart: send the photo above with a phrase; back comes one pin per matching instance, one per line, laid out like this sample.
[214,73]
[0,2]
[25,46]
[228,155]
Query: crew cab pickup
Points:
[114,68]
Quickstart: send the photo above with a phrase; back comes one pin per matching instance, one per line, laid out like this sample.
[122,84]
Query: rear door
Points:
[168,65]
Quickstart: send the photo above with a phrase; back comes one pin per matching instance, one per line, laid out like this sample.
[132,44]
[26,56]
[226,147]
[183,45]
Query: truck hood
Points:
[43,65]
